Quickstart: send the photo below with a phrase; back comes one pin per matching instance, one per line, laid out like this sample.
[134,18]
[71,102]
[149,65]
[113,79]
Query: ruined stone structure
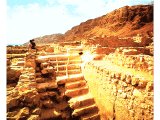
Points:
[51,87]
[61,85]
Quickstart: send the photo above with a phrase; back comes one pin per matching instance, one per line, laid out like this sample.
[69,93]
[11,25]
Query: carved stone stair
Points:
[81,101]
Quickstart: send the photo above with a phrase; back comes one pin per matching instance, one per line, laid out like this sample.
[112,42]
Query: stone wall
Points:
[137,62]
[120,93]
[16,49]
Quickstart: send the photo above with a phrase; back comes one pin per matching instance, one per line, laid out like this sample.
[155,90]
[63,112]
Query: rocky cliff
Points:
[127,21]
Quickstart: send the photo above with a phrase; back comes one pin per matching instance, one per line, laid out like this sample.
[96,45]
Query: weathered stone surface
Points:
[36,111]
[34,117]
[123,99]
[83,100]
[135,81]
[12,114]
[49,113]
[48,85]
[30,64]
[13,74]
[76,92]
[23,113]
[75,84]
[85,110]
[12,102]
[40,80]
[91,117]
[149,86]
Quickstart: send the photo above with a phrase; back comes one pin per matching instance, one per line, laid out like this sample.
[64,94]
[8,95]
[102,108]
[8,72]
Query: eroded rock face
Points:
[122,22]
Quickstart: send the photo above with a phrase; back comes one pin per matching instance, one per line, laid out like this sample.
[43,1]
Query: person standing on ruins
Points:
[32,45]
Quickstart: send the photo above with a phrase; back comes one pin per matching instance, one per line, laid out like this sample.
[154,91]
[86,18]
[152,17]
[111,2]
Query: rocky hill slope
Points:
[122,22]
[48,39]
[127,21]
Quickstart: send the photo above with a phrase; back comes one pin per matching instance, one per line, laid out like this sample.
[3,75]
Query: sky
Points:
[27,19]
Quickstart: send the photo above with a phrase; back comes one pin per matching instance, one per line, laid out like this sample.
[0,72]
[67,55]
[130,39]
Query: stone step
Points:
[80,101]
[76,92]
[47,95]
[69,66]
[54,63]
[20,63]
[38,74]
[85,110]
[42,87]
[70,78]
[75,84]
[44,64]
[49,69]
[62,57]
[92,116]
[69,72]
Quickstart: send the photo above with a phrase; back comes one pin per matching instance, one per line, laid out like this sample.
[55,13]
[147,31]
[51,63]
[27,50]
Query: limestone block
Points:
[44,71]
[80,101]
[129,52]
[124,95]
[49,49]
[29,64]
[40,80]
[20,63]
[91,117]
[38,69]
[76,92]
[124,84]
[13,74]
[34,117]
[137,93]
[38,74]
[75,84]
[12,102]
[85,110]
[149,86]
[47,70]
[36,111]
[142,84]
[49,85]
[49,113]
[29,70]
[118,75]
[24,112]
[123,77]
[47,103]
[44,65]
[31,97]
[12,114]
[135,81]
[8,62]
[46,95]
[128,79]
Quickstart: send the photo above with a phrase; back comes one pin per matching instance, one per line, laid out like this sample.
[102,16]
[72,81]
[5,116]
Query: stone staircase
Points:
[52,86]
[68,73]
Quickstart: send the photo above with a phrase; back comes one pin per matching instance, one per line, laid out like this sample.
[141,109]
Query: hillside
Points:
[123,22]
[127,21]
[48,39]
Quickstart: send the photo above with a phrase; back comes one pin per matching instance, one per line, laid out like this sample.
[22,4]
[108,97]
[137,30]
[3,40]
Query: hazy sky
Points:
[27,19]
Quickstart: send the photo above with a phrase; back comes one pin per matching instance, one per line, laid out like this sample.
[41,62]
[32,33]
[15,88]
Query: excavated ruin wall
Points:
[119,94]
